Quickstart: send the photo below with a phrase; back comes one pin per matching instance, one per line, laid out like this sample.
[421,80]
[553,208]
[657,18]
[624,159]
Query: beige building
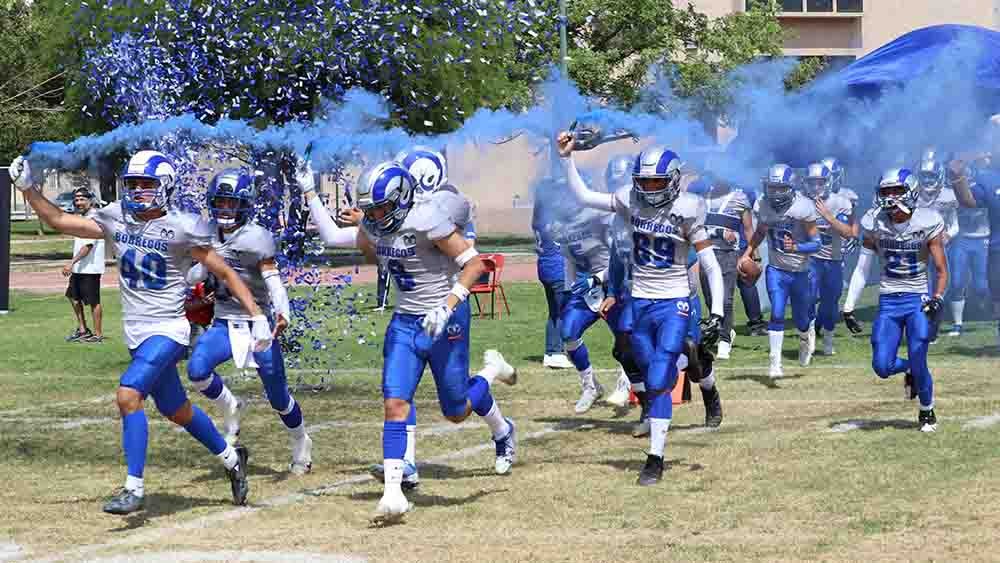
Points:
[853,28]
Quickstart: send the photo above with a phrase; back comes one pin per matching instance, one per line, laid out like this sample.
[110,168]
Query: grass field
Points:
[824,465]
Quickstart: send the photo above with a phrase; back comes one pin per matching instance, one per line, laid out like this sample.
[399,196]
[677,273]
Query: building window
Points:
[854,6]
[820,5]
[791,5]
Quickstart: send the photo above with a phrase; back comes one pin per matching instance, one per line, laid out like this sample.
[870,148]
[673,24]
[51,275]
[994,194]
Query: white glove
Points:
[261,332]
[435,320]
[305,177]
[197,274]
[20,174]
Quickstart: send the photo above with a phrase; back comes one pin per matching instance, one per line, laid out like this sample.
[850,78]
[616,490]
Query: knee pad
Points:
[881,368]
[198,371]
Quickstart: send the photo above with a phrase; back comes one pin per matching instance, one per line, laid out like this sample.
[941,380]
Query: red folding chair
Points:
[490,283]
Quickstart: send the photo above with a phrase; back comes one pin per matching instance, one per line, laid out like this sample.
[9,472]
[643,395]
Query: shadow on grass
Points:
[166,504]
[974,352]
[764,380]
[635,464]
[871,425]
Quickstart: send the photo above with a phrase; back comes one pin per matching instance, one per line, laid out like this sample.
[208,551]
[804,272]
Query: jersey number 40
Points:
[648,250]
[150,272]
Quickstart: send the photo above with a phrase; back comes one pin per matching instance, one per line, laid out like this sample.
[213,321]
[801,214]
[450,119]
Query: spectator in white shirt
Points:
[84,272]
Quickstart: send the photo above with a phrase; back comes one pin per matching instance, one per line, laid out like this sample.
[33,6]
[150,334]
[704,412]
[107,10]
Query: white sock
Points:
[957,310]
[776,338]
[828,338]
[498,426]
[587,378]
[411,444]
[298,432]
[393,474]
[658,435]
[927,408]
[134,484]
[707,382]
[229,457]
[226,400]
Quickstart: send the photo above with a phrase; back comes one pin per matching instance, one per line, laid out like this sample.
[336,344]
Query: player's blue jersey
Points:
[543,219]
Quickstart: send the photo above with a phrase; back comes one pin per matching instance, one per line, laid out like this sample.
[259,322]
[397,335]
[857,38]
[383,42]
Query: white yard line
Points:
[155,534]
[10,551]
[982,422]
[232,556]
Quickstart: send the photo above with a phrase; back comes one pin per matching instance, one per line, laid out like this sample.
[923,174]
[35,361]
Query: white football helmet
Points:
[147,165]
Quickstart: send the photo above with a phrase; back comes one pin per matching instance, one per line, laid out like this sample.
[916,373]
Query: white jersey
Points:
[791,222]
[243,250]
[831,243]
[661,238]
[458,207]
[93,262]
[153,258]
[902,248]
[725,215]
[850,195]
[946,203]
[585,243]
[423,275]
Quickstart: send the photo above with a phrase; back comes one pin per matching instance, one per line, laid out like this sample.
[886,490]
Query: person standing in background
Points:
[550,272]
[84,272]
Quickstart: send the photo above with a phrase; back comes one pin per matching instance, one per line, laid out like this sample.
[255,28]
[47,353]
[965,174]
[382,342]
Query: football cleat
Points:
[619,397]
[231,422]
[774,371]
[652,472]
[301,455]
[724,349]
[506,450]
[557,361]
[78,335]
[641,428]
[758,328]
[956,330]
[713,407]
[411,479]
[505,372]
[909,389]
[124,502]
[927,421]
[238,477]
[588,397]
[391,508]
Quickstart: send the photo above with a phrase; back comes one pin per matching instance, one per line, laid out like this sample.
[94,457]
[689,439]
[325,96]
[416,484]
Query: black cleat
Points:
[652,473]
[758,328]
[909,389]
[713,407]
[124,502]
[238,477]
[927,421]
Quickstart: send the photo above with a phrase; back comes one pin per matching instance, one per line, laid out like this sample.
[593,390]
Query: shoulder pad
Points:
[868,219]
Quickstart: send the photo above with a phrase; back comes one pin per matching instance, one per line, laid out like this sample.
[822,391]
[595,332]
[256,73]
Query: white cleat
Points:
[805,355]
[392,508]
[619,397]
[724,349]
[588,397]
[505,372]
[812,338]
[301,455]
[506,450]
[774,372]
[231,422]
[828,344]
[557,361]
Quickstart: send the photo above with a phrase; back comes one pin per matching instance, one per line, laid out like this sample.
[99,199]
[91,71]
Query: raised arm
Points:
[76,225]
[960,183]
[595,200]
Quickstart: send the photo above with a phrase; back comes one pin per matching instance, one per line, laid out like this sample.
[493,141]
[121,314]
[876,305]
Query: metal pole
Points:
[5,196]
[562,36]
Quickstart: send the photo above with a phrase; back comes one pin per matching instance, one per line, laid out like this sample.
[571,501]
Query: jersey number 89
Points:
[151,271]
[657,252]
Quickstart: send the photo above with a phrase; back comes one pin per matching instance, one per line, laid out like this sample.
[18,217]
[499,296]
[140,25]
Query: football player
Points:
[664,223]
[837,225]
[935,194]
[432,266]
[967,257]
[788,220]
[905,238]
[155,245]
[249,249]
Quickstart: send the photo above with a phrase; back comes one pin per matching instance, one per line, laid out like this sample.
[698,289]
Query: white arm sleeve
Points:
[858,279]
[595,200]
[331,234]
[710,265]
[276,289]
[951,220]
